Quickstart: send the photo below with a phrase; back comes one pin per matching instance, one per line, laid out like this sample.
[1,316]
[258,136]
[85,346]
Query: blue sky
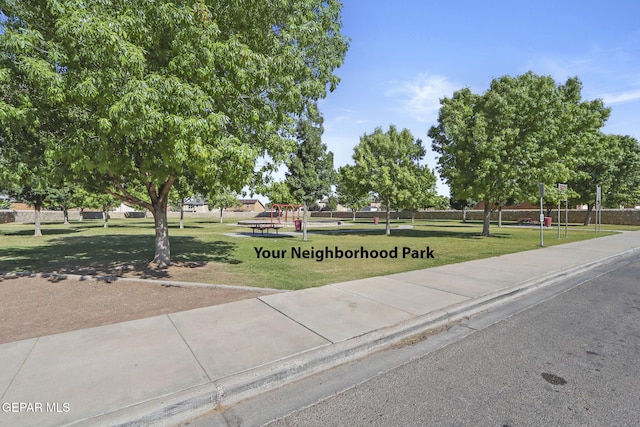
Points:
[405,55]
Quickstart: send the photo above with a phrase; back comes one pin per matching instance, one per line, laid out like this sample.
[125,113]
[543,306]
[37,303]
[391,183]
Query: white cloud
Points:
[420,98]
[607,74]
[619,98]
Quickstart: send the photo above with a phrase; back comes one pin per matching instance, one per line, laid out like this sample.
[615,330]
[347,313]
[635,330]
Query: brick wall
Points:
[7,216]
[28,216]
[609,216]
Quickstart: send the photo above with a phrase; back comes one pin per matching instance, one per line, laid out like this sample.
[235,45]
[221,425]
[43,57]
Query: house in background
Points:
[523,205]
[124,208]
[195,205]
[248,205]
[19,206]
[323,205]
[198,205]
[373,207]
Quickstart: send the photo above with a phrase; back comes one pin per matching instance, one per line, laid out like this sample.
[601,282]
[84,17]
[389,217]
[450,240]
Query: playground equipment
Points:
[295,209]
[275,223]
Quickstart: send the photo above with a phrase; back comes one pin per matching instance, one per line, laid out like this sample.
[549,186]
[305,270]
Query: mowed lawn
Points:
[209,252]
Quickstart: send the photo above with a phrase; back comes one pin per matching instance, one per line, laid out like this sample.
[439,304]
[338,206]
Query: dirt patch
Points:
[32,307]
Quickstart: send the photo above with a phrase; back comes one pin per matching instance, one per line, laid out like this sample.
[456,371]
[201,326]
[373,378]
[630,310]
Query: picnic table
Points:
[527,221]
[262,226]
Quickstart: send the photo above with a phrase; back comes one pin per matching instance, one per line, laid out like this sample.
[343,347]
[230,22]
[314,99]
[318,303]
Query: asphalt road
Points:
[569,359]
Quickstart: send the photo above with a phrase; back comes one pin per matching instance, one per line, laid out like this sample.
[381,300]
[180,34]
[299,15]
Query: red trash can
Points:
[376,220]
[298,224]
[547,221]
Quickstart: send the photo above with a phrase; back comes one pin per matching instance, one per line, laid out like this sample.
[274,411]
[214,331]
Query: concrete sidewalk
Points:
[171,368]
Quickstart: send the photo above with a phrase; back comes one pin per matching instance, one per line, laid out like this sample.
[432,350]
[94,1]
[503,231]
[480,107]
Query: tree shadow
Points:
[11,276]
[137,222]
[264,236]
[114,255]
[45,231]
[449,225]
[99,223]
[461,234]
[216,221]
[352,232]
[413,233]
[189,226]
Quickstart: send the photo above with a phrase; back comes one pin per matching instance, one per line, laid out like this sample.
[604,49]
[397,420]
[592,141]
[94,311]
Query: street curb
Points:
[188,404]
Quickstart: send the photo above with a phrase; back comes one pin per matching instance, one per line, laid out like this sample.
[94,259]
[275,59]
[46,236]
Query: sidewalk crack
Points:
[295,321]
[24,361]
[184,340]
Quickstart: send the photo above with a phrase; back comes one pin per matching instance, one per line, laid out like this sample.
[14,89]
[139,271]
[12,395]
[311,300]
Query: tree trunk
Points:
[221,209]
[486,221]
[81,212]
[464,214]
[159,200]
[388,226]
[500,217]
[587,220]
[304,222]
[65,215]
[182,215]
[162,255]
[413,217]
[38,227]
[105,216]
[354,215]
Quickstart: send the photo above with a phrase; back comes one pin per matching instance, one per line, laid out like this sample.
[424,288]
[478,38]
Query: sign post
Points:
[559,203]
[541,214]
[564,191]
[566,216]
[598,207]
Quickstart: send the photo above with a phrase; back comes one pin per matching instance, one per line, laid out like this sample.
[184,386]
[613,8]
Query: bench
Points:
[265,226]
[522,221]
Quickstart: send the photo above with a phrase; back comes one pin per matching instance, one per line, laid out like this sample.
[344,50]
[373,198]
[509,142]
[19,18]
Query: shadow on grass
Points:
[450,225]
[263,236]
[45,231]
[114,255]
[415,233]
[472,234]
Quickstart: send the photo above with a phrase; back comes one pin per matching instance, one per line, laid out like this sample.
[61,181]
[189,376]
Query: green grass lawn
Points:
[206,253]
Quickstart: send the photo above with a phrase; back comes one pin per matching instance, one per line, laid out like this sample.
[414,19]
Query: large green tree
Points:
[310,175]
[35,197]
[611,162]
[157,89]
[424,193]
[276,192]
[64,198]
[350,193]
[500,145]
[29,122]
[104,202]
[625,189]
[387,165]
[222,199]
